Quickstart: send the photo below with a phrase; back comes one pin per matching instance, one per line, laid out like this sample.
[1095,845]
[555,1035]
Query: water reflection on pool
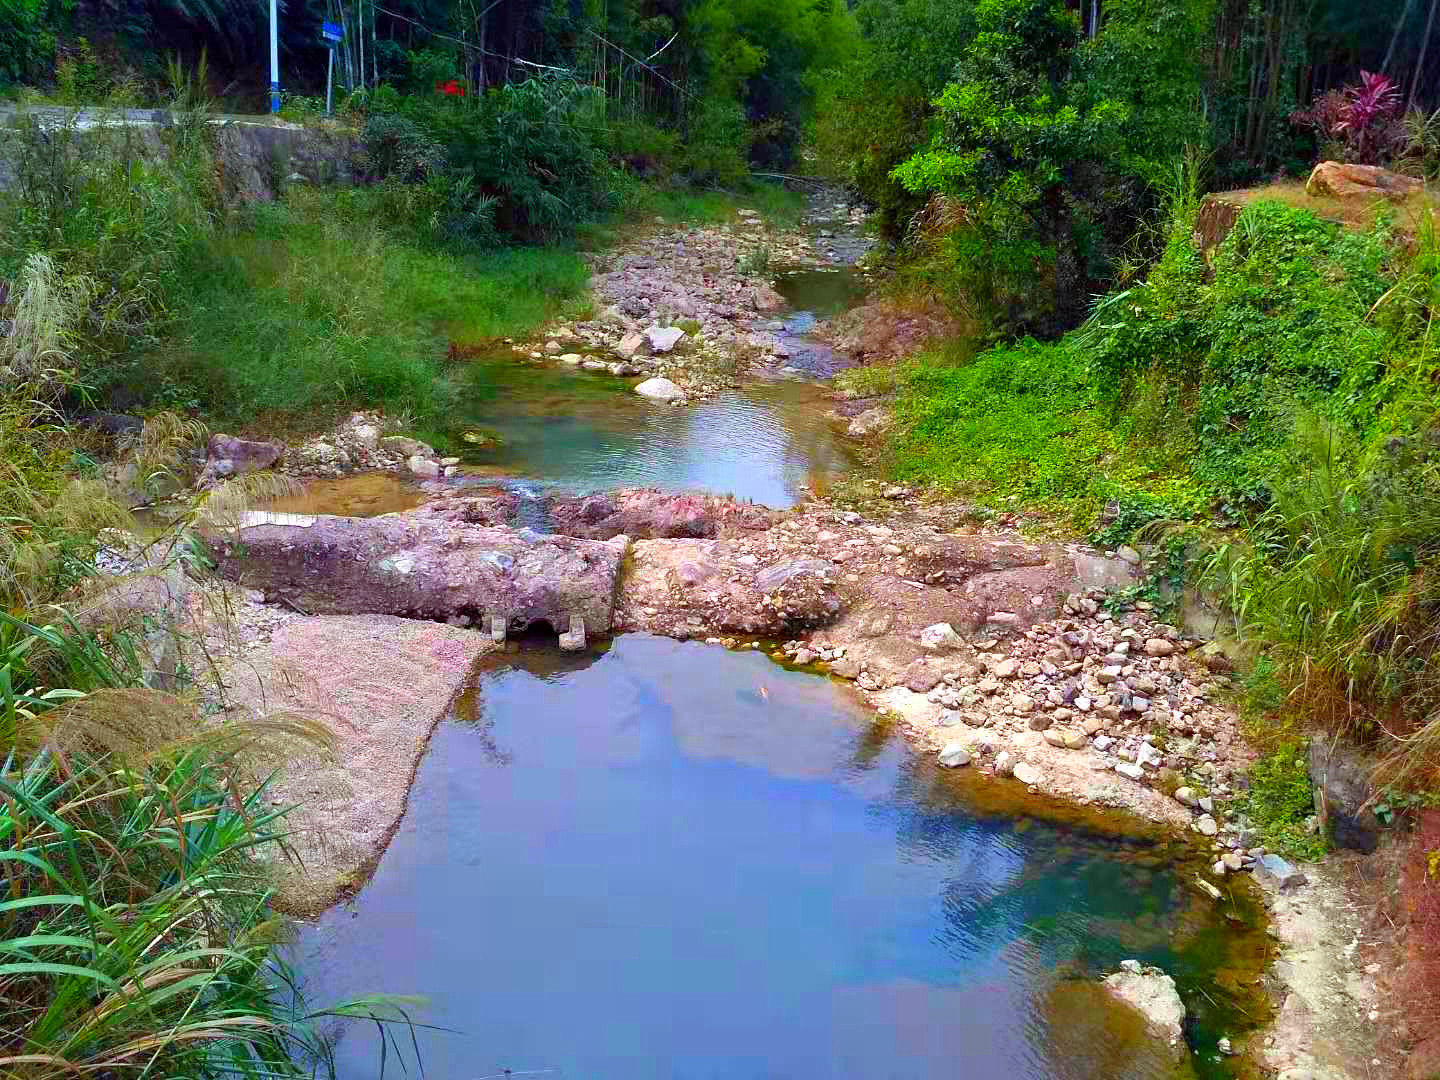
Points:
[585,432]
[675,861]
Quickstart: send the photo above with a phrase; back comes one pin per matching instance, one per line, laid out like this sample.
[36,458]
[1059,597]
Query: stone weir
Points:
[425,565]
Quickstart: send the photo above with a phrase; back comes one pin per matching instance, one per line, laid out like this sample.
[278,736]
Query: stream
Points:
[665,859]
[612,868]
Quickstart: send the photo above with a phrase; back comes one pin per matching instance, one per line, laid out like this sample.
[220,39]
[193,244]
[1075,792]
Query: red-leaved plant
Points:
[1362,118]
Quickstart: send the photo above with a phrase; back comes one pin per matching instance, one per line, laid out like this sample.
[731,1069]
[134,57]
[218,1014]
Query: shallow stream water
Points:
[667,860]
[672,860]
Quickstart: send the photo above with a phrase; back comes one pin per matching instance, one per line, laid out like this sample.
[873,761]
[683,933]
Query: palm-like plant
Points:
[1369,108]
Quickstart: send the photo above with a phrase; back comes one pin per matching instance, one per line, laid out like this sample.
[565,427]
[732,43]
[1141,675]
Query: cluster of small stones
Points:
[693,276]
[361,444]
[1119,683]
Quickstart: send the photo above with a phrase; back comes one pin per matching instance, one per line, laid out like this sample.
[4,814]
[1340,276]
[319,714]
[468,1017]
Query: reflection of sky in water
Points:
[666,873]
[760,446]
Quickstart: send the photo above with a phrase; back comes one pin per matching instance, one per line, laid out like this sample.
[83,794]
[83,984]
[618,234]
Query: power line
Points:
[471,45]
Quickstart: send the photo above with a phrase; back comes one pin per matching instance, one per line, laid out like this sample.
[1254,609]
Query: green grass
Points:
[314,309]
[1022,424]
[1280,800]
[870,381]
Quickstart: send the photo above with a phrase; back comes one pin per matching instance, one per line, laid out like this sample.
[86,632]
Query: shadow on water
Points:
[670,860]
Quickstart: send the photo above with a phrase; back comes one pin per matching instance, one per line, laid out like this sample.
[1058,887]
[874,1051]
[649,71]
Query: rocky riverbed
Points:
[996,652]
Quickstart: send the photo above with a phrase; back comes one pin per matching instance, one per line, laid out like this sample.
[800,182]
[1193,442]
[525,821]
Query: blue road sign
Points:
[332,31]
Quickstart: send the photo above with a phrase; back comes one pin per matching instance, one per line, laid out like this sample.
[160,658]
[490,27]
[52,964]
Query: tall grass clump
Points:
[1337,583]
[317,307]
[136,937]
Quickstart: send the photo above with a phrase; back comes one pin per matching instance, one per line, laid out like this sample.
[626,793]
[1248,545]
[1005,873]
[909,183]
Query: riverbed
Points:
[612,867]
[673,860]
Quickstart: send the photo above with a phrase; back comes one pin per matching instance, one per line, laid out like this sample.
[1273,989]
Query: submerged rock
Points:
[1152,993]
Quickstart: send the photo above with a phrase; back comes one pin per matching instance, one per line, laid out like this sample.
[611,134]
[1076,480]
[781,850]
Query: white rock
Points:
[659,389]
[954,755]
[1004,763]
[425,467]
[1026,773]
[1152,993]
[1185,796]
[940,636]
[1129,771]
[664,338]
[1205,825]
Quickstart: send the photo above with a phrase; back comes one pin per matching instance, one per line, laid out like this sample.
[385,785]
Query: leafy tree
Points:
[1049,145]
[874,110]
[762,53]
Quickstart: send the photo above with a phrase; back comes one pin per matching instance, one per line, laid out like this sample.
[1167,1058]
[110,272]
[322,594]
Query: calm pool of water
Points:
[671,860]
[584,432]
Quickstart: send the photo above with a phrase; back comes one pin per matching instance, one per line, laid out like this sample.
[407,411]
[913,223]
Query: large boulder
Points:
[229,455]
[695,588]
[1152,993]
[1339,181]
[422,565]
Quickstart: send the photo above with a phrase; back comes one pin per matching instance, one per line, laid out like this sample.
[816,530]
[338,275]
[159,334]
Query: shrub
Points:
[1338,581]
[396,148]
[717,144]
[1279,322]
[1281,799]
[1360,120]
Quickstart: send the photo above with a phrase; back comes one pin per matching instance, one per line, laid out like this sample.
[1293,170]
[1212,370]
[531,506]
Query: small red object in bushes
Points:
[450,89]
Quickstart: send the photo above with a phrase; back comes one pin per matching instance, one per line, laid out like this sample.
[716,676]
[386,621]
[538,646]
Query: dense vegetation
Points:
[1260,409]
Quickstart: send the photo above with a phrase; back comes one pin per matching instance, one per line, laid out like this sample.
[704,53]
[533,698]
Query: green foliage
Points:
[1279,322]
[1280,800]
[27,39]
[320,307]
[874,110]
[1337,580]
[756,262]
[1017,421]
[536,147]
[761,54]
[1050,145]
[118,221]
[718,144]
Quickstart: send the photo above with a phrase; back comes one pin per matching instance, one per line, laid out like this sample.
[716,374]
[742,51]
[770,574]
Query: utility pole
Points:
[274,58]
